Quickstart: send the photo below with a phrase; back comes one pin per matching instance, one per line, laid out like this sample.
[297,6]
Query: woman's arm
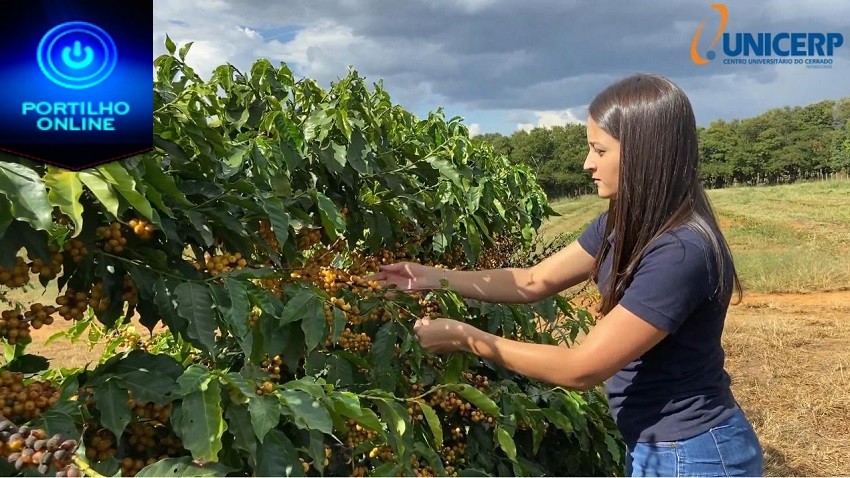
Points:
[671,282]
[562,270]
[617,339]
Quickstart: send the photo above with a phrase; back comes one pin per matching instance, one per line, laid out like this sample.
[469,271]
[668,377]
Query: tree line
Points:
[782,145]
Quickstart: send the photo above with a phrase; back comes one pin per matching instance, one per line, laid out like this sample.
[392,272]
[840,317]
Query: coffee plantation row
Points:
[245,242]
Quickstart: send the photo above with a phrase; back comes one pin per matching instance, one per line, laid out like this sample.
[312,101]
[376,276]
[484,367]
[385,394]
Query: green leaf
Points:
[184,50]
[25,191]
[277,457]
[111,401]
[306,411]
[383,348]
[5,214]
[433,423]
[472,472]
[380,230]
[314,126]
[173,150]
[183,466]
[238,312]
[27,364]
[499,208]
[475,397]
[613,448]
[473,237]
[456,364]
[163,182]
[54,421]
[62,417]
[151,378]
[396,417]
[506,442]
[109,467]
[348,404]
[339,324]
[199,221]
[558,419]
[440,242]
[101,189]
[332,220]
[169,44]
[145,279]
[446,168]
[473,198]
[314,326]
[65,191]
[279,219]
[537,435]
[451,304]
[166,305]
[202,423]
[234,160]
[195,378]
[431,456]
[194,303]
[265,414]
[332,367]
[150,386]
[339,153]
[306,384]
[387,469]
[155,197]
[305,303]
[239,386]
[358,148]
[118,176]
[240,426]
[316,450]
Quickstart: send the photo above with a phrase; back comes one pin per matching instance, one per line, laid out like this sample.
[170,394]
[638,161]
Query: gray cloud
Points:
[502,55]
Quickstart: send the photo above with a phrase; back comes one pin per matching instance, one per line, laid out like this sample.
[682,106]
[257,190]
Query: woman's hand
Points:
[407,276]
[441,336]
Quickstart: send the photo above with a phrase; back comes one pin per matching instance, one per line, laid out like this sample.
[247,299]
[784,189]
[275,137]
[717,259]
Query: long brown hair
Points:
[659,187]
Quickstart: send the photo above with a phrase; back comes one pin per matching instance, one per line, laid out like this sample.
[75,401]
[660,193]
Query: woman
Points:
[658,346]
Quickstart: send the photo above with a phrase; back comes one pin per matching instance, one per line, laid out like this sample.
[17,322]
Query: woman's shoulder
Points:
[684,245]
[591,238]
[685,235]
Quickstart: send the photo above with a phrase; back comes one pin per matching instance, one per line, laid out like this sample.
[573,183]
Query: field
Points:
[791,238]
[787,344]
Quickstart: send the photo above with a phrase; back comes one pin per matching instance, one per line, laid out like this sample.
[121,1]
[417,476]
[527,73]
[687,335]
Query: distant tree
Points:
[501,144]
[778,146]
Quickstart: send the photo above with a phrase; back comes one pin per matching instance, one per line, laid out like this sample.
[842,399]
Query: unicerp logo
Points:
[811,49]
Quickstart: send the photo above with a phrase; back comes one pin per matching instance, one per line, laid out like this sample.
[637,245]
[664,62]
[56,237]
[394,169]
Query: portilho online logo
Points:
[77,55]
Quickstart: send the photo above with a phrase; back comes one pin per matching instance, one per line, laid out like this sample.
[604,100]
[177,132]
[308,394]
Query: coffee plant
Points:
[244,243]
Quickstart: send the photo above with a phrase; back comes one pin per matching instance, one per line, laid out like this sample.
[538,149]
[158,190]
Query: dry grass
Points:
[788,238]
[63,354]
[789,357]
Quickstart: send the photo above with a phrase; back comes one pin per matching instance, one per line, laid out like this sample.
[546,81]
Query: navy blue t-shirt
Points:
[678,389]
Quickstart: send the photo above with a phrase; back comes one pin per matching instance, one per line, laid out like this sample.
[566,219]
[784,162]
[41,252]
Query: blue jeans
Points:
[729,449]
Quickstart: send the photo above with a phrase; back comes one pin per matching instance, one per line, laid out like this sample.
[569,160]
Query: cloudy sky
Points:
[504,65]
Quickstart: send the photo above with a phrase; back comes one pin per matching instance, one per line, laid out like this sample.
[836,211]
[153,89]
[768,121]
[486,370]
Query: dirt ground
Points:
[789,358]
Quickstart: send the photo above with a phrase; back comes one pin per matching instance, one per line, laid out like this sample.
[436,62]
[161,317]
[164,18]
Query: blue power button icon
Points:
[77,55]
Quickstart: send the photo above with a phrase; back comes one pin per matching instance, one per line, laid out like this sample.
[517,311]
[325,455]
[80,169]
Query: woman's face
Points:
[603,160]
